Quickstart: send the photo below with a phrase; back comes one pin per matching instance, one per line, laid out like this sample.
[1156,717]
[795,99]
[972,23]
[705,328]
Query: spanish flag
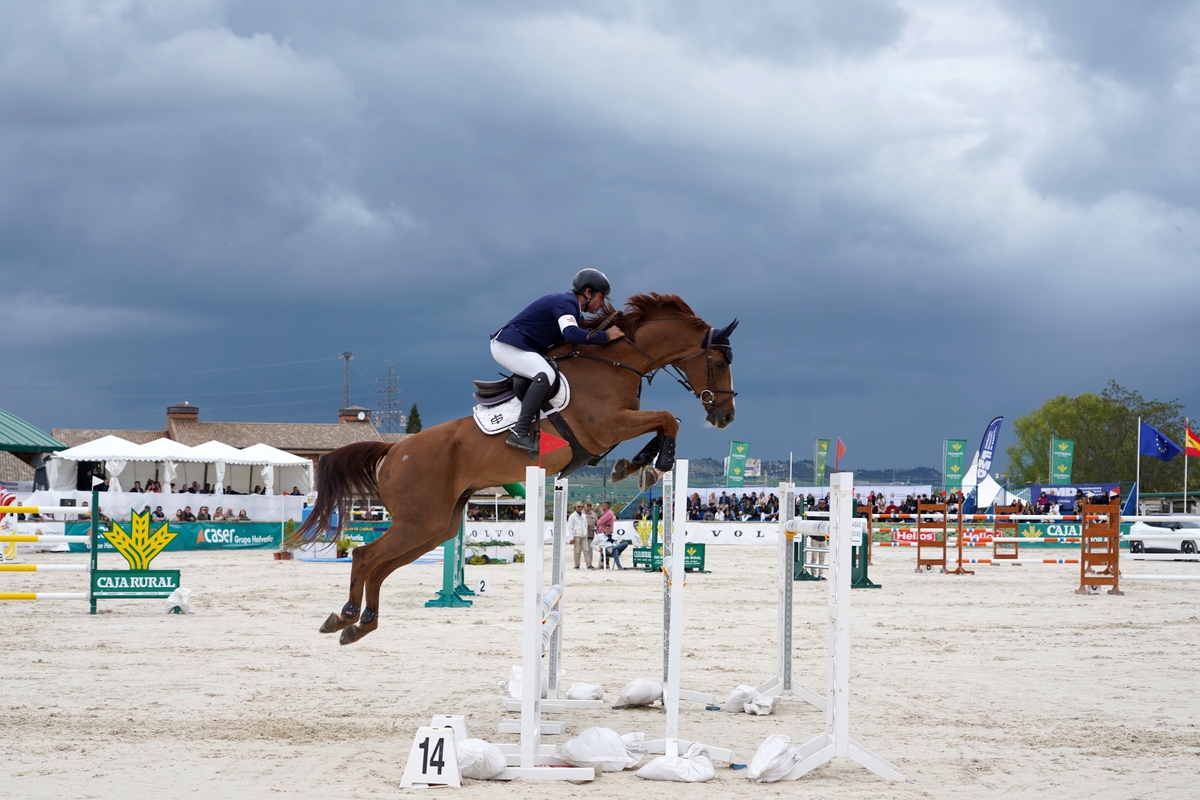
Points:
[1191,444]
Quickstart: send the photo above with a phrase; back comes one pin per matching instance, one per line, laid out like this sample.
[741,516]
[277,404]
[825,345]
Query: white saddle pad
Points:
[499,418]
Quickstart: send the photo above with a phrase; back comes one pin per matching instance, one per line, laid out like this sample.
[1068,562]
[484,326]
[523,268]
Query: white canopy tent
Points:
[221,455]
[281,468]
[115,453]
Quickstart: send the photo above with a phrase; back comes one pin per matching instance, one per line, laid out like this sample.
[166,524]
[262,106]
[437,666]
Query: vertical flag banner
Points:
[738,451]
[1062,455]
[820,453]
[841,451]
[987,450]
[954,463]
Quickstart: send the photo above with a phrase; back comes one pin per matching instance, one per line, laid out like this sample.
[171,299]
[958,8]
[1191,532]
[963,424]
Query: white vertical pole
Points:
[531,651]
[838,711]
[676,577]
[554,654]
[787,549]
[1138,481]
[1187,426]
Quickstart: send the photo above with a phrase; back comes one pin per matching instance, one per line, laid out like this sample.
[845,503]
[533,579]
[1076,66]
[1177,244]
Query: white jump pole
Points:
[554,703]
[674,545]
[835,742]
[535,760]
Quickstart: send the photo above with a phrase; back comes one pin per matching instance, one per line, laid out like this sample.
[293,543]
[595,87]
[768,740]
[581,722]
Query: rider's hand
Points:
[615,333]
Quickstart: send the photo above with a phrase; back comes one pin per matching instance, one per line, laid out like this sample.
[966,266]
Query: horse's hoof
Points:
[647,477]
[349,636]
[331,624]
[620,470]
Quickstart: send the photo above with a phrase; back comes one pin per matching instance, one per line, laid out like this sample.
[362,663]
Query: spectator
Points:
[137,487]
[188,516]
[241,517]
[194,488]
[207,489]
[259,489]
[219,514]
[145,510]
[295,491]
[81,517]
[606,517]
[589,516]
[179,516]
[202,515]
[577,535]
[612,547]
[157,515]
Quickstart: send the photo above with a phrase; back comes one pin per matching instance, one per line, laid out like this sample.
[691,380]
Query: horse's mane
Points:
[642,308]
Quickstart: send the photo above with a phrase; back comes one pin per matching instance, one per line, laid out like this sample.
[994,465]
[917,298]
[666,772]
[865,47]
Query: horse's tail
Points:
[342,475]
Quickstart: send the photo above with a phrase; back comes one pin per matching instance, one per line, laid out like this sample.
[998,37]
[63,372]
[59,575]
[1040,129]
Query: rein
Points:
[707,397]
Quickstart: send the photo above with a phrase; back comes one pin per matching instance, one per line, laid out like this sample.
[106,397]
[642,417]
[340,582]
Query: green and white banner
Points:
[738,451]
[820,453]
[1062,456]
[954,462]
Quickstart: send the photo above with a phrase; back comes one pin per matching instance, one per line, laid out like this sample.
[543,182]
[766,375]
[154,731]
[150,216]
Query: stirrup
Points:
[526,443]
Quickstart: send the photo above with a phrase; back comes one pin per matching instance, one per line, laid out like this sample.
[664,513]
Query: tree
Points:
[1104,428]
[414,420]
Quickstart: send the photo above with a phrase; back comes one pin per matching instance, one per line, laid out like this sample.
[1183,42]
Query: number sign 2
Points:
[433,760]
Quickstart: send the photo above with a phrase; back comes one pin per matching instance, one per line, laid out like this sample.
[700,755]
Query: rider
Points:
[548,322]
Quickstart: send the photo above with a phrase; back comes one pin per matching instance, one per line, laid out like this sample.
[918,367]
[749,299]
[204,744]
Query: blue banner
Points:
[987,449]
[1065,495]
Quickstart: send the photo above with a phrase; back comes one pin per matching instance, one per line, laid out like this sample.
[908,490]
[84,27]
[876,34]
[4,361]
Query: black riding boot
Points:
[519,437]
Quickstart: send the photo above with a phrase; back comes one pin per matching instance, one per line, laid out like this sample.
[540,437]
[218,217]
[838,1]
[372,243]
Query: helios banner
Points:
[1062,454]
[954,462]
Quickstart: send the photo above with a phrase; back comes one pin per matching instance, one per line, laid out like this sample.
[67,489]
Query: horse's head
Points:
[699,354]
[710,374]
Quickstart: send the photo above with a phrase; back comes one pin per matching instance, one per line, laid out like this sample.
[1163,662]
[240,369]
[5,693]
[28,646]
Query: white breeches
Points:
[525,363]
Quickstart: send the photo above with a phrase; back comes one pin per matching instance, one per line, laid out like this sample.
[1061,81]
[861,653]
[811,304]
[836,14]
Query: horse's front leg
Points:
[629,424]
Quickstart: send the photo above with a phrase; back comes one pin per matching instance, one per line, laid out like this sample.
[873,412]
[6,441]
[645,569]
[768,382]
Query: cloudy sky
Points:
[924,213]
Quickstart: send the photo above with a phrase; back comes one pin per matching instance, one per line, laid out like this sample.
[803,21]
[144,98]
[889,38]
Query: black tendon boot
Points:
[519,437]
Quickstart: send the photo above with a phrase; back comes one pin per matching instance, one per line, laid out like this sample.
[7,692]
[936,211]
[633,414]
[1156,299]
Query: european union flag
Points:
[1157,445]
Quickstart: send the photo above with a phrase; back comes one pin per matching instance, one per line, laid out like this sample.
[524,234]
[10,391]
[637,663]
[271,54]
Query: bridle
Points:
[707,397]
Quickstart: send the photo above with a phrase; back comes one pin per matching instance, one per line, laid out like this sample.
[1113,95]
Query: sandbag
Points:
[597,746]
[773,760]
[641,692]
[585,691]
[479,760]
[694,766]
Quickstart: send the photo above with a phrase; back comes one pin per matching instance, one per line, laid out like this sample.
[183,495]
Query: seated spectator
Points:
[188,516]
[194,488]
[241,517]
[202,515]
[229,515]
[179,516]
[157,514]
[137,487]
[207,489]
[295,491]
[145,509]
[219,514]
[81,517]
[259,489]
[612,546]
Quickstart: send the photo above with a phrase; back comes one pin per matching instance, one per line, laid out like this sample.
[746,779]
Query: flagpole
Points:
[1187,426]
[1138,481]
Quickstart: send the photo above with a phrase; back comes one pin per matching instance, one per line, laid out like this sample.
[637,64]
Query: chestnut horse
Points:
[425,480]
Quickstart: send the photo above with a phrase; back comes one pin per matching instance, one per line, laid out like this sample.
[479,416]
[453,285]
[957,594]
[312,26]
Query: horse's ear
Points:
[721,336]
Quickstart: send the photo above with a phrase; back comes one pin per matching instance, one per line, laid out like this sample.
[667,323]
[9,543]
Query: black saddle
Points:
[493,393]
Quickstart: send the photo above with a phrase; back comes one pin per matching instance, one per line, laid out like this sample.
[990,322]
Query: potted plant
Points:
[284,553]
[343,546]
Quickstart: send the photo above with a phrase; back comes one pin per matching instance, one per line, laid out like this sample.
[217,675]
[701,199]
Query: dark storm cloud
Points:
[921,216]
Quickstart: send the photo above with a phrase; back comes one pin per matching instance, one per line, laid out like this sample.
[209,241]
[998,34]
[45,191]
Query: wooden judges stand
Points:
[1005,527]
[937,524]
[1100,548]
